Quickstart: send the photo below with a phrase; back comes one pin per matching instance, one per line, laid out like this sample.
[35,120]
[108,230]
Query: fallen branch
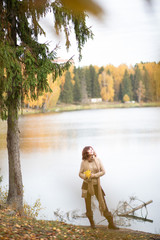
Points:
[136,218]
[136,208]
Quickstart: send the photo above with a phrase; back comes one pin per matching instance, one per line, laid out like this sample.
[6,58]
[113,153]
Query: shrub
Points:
[126,98]
[32,211]
[29,211]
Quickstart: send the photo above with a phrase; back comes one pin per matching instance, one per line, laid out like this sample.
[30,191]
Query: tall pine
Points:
[88,82]
[126,85]
[77,87]
[67,90]
[135,83]
[82,78]
[120,94]
[147,84]
[95,88]
[25,64]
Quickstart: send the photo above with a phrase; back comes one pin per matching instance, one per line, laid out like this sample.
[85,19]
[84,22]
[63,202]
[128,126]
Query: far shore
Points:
[89,106]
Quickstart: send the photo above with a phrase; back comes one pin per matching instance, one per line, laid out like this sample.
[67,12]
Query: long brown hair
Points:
[87,152]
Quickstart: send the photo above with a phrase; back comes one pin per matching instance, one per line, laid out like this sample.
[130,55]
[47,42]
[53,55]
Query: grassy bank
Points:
[71,107]
[75,107]
[16,227]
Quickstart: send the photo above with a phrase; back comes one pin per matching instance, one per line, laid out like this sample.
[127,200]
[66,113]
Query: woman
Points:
[90,171]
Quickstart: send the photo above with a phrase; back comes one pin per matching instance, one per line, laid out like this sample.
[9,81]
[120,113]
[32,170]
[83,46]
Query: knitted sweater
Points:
[95,167]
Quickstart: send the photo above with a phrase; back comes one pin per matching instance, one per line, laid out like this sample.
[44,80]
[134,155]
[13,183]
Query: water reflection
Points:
[44,133]
[59,131]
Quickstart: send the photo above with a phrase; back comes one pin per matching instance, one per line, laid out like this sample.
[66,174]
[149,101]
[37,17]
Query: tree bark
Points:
[15,194]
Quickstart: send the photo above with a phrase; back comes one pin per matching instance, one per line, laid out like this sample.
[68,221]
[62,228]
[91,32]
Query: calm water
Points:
[126,140]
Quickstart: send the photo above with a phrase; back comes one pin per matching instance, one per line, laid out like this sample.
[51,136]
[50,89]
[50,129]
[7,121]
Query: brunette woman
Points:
[90,171]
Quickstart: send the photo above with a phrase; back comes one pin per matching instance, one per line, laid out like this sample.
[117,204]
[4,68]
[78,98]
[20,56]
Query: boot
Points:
[109,217]
[90,217]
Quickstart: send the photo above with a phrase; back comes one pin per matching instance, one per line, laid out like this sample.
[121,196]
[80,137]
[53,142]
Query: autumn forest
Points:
[140,83]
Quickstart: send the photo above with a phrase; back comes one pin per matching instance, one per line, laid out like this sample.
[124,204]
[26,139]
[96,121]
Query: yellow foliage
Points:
[54,96]
[5,72]
[126,98]
[49,99]
[157,82]
[96,68]
[153,70]
[71,70]
[100,79]
[107,88]
[131,70]
[87,173]
[117,73]
[104,94]
[32,211]
[109,81]
[61,80]
[73,82]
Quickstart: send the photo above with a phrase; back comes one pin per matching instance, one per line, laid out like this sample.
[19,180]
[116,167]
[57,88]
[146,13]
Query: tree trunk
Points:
[15,195]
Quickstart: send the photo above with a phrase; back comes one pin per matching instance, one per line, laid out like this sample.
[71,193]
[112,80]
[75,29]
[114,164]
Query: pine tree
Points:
[135,83]
[120,95]
[82,79]
[25,64]
[88,82]
[101,70]
[95,88]
[67,91]
[77,88]
[126,85]
[146,82]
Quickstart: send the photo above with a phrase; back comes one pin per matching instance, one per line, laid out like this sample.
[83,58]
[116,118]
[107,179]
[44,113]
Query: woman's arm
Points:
[101,170]
[81,172]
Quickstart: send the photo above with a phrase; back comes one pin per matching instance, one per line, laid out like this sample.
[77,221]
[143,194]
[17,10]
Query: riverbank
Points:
[16,227]
[102,105]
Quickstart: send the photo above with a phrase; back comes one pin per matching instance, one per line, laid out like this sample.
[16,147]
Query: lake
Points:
[126,140]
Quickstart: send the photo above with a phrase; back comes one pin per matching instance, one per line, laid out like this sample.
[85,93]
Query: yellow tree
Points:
[141,91]
[42,101]
[153,70]
[117,74]
[157,82]
[107,88]
[54,96]
[126,98]
[96,68]
[49,100]
[71,70]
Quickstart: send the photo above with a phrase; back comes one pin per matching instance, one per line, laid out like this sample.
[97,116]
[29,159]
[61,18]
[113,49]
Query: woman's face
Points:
[90,158]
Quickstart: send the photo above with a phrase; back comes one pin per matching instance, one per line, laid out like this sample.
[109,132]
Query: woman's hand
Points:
[92,176]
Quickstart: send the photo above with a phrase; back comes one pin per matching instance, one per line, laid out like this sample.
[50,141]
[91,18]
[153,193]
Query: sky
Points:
[128,34]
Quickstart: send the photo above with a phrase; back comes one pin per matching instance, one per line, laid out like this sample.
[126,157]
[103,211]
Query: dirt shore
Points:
[15,227]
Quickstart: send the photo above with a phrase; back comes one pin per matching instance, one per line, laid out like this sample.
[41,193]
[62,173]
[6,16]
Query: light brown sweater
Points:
[95,167]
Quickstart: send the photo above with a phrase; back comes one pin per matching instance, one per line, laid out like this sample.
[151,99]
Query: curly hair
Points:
[87,151]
